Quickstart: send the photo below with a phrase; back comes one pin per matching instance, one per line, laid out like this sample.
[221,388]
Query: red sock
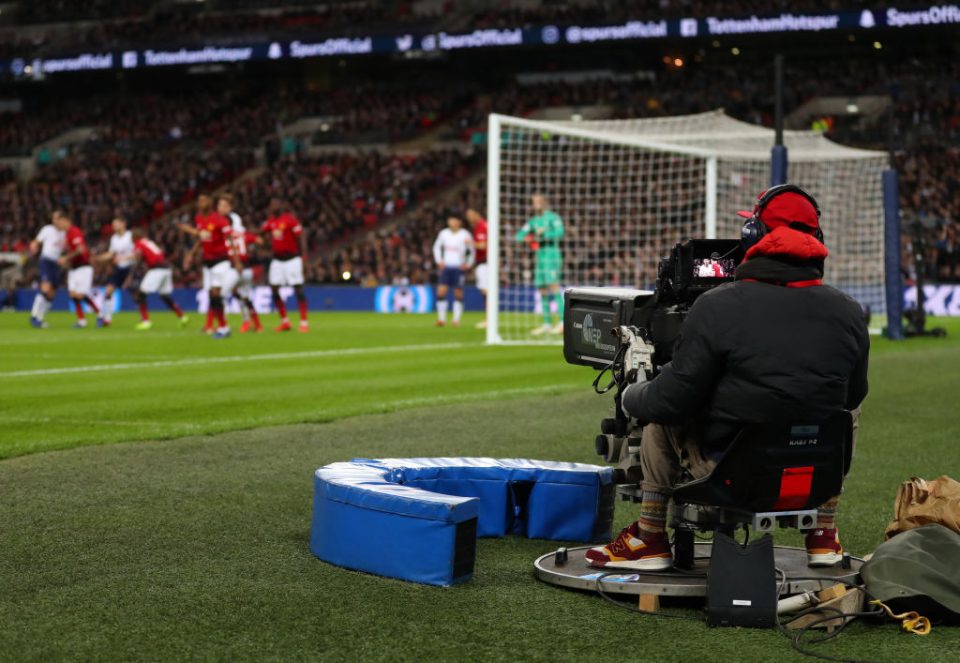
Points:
[281,309]
[209,318]
[254,317]
[176,309]
[93,304]
[144,313]
[302,304]
[221,317]
[78,304]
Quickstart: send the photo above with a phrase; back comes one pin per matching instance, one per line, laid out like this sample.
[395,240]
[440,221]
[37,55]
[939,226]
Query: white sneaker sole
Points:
[654,564]
[825,559]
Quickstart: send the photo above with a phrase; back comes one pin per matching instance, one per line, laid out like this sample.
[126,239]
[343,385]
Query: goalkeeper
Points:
[543,233]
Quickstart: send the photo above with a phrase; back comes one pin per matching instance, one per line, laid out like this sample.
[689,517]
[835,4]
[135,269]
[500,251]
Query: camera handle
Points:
[619,439]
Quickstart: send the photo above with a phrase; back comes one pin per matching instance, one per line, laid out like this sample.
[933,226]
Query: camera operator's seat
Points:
[770,474]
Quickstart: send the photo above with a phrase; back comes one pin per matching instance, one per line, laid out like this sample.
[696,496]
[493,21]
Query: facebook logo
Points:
[129,60]
[688,27]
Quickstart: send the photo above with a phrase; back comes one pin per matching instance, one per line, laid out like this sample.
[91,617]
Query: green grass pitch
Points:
[155,494]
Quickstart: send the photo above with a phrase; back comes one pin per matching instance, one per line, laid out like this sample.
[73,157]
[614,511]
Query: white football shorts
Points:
[222,275]
[286,272]
[80,280]
[157,280]
[482,275]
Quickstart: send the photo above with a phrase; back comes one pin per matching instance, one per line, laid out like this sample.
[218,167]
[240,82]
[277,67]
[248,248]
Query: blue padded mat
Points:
[432,509]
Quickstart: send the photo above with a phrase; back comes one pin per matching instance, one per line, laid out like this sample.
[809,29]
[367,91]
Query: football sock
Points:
[38,307]
[209,317]
[442,310]
[281,307]
[244,310]
[106,311]
[558,298]
[653,515]
[144,313]
[92,304]
[302,305]
[457,310]
[545,305]
[827,513]
[78,306]
[254,316]
[217,304]
[172,305]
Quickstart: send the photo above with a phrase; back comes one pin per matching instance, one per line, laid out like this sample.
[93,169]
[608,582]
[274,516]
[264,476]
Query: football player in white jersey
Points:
[242,246]
[121,254]
[454,255]
[49,245]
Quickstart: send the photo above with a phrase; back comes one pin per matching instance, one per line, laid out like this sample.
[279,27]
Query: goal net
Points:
[611,197]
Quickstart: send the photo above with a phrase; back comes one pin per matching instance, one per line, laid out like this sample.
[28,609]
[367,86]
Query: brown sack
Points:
[922,502]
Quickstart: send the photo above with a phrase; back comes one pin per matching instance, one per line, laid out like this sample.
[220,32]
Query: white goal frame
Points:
[712,137]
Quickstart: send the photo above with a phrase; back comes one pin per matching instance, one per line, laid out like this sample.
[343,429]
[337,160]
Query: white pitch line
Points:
[342,352]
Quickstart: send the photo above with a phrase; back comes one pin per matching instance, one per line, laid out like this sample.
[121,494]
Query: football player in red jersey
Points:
[220,270]
[158,279]
[478,225]
[76,257]
[243,242]
[289,246]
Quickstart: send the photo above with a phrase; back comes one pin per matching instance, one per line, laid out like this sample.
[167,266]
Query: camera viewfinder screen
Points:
[713,268]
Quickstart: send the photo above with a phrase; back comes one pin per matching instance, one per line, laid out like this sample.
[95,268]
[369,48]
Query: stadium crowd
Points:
[236,117]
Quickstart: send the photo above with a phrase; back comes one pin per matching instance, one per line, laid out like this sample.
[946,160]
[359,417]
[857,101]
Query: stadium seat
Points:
[431,511]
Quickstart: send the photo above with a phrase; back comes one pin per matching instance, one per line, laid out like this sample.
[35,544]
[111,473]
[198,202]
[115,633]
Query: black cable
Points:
[612,369]
[796,637]
[632,608]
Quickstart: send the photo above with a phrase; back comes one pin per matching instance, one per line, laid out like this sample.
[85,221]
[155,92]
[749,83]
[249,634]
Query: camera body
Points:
[631,333]
[593,316]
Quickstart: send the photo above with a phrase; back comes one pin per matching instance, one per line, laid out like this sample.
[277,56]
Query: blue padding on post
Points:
[893,279]
[778,165]
[416,505]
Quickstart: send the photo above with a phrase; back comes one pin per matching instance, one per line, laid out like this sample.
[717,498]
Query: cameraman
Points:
[774,345]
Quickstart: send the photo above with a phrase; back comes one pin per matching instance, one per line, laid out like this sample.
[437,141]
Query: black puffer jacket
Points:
[774,345]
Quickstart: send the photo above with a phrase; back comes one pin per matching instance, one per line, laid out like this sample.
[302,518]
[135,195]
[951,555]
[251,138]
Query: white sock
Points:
[442,310]
[106,309]
[457,310]
[244,313]
[37,310]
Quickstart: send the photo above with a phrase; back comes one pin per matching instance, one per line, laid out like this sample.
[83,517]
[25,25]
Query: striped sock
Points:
[653,515]
[827,513]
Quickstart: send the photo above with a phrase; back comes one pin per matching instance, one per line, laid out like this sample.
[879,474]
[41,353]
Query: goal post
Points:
[617,194]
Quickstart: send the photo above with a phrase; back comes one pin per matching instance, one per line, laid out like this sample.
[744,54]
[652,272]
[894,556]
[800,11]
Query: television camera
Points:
[630,334]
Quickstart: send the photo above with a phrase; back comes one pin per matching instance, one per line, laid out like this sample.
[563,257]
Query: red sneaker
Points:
[629,551]
[245,327]
[283,326]
[440,323]
[304,327]
[823,547]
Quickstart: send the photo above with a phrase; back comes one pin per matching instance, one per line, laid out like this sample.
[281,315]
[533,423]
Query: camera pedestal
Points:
[575,573]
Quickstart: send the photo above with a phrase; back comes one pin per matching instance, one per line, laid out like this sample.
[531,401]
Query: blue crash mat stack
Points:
[418,519]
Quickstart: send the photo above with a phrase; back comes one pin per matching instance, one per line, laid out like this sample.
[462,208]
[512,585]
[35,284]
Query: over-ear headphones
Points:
[754,228]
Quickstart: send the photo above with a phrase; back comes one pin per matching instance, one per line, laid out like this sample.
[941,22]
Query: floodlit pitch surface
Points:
[189,540]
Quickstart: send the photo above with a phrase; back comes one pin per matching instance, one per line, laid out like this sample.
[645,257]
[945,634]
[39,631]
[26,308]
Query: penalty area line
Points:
[341,352]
